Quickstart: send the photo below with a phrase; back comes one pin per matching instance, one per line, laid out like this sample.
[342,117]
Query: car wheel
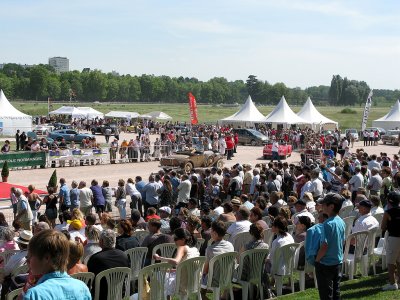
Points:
[220,164]
[253,143]
[188,167]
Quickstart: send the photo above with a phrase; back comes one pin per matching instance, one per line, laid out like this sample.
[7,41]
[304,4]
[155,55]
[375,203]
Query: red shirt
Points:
[229,143]
[152,217]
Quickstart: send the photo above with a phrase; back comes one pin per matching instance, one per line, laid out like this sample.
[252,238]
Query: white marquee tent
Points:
[309,113]
[247,115]
[158,115]
[122,114]
[69,111]
[283,114]
[91,113]
[11,118]
[391,120]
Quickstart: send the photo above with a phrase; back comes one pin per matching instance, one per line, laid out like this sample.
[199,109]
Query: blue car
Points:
[69,135]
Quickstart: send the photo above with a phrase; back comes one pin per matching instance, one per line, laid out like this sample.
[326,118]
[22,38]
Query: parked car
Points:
[353,132]
[284,151]
[101,129]
[42,130]
[58,126]
[38,138]
[189,159]
[380,130]
[250,136]
[69,135]
[391,137]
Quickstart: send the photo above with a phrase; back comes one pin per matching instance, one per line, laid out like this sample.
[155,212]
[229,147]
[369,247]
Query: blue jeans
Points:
[275,155]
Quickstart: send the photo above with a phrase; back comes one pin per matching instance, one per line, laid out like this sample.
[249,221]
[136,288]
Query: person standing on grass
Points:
[391,223]
[328,263]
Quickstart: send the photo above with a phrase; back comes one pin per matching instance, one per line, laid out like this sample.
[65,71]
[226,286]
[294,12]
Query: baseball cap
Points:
[165,209]
[331,198]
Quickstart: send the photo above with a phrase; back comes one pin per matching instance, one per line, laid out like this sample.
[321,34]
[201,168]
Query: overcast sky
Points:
[301,43]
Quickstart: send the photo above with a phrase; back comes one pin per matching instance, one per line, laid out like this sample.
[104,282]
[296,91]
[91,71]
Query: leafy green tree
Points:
[254,87]
[53,87]
[6,84]
[95,86]
[135,90]
[38,81]
[65,89]
[351,95]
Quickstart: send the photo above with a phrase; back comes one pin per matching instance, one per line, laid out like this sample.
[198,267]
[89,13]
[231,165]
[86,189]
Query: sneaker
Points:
[390,287]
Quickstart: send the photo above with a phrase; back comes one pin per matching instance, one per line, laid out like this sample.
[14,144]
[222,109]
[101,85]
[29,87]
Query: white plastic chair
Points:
[20,270]
[188,278]
[136,257]
[255,261]
[288,253]
[86,277]
[140,235]
[379,218]
[345,211]
[6,255]
[14,294]
[291,229]
[349,225]
[268,236]
[350,261]
[380,251]
[166,250]
[222,275]
[155,274]
[368,258]
[307,269]
[199,243]
[240,240]
[118,283]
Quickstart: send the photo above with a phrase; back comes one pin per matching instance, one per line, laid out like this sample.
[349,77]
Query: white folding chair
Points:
[118,283]
[350,260]
[379,218]
[155,277]
[14,294]
[307,269]
[368,257]
[291,229]
[188,278]
[166,250]
[140,235]
[199,243]
[136,257]
[220,273]
[285,255]
[251,262]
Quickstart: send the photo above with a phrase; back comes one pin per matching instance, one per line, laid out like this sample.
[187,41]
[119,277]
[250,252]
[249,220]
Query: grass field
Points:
[362,288]
[208,113]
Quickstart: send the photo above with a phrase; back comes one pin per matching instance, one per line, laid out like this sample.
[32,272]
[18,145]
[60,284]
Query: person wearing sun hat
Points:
[19,258]
[165,213]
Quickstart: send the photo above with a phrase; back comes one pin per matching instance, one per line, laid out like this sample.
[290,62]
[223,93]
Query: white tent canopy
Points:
[11,118]
[248,114]
[283,114]
[122,114]
[91,113]
[309,113]
[159,115]
[69,111]
[391,120]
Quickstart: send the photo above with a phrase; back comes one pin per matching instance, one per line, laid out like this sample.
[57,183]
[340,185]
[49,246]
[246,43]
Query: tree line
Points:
[41,81]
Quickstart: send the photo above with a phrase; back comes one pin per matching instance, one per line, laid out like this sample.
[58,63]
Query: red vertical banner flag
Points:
[193,109]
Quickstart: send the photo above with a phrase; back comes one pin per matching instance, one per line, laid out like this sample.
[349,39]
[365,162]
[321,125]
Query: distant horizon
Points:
[301,43]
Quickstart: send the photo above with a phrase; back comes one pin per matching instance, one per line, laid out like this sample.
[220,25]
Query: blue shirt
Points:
[150,190]
[313,242]
[74,196]
[98,197]
[64,192]
[58,286]
[175,182]
[139,186]
[333,235]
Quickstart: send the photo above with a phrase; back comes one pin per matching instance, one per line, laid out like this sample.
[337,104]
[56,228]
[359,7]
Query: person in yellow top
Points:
[123,149]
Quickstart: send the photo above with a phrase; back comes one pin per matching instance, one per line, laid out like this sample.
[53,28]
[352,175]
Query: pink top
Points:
[9,245]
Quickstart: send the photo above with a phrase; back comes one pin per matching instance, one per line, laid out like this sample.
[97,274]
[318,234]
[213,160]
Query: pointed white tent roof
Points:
[247,113]
[283,114]
[122,114]
[91,113]
[391,120]
[312,115]
[11,118]
[69,111]
[159,115]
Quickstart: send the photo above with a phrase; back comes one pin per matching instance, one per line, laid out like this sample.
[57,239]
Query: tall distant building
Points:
[60,64]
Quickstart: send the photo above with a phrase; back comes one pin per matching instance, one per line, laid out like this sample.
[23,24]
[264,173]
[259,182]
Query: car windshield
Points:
[257,133]
[393,132]
[352,130]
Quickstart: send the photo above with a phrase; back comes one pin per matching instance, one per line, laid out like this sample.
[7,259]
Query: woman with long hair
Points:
[186,249]
[51,201]
[166,194]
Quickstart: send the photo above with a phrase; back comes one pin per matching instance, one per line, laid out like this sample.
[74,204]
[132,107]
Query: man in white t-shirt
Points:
[366,221]
[85,198]
[184,190]
[242,223]
[275,150]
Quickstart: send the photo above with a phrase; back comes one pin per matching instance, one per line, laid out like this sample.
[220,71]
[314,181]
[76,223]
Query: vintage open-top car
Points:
[189,159]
